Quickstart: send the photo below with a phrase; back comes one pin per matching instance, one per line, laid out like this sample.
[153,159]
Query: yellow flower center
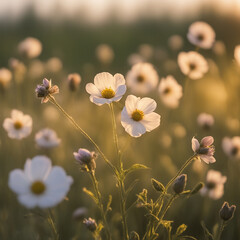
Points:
[137,115]
[140,78]
[38,187]
[108,93]
[167,90]
[18,125]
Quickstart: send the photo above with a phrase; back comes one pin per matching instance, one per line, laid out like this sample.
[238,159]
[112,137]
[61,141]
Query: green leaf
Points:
[135,167]
[157,185]
[90,194]
[182,228]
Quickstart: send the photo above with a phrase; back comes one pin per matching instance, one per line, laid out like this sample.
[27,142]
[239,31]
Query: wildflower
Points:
[18,68]
[146,51]
[137,116]
[90,224]
[30,47]
[226,213]
[86,159]
[179,184]
[47,138]
[19,125]
[5,77]
[205,120]
[80,213]
[204,149]
[39,184]
[170,91]
[231,147]
[54,64]
[44,90]
[214,186]
[106,88]
[134,58]
[142,78]
[74,80]
[219,48]
[175,42]
[192,64]
[237,54]
[105,53]
[201,34]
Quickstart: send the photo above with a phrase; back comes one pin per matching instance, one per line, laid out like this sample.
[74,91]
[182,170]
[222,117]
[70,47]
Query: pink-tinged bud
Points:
[90,224]
[226,212]
[180,184]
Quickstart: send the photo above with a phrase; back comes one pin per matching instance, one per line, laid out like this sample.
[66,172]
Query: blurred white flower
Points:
[30,47]
[19,125]
[170,91]
[142,78]
[18,68]
[54,64]
[5,77]
[146,51]
[204,150]
[137,116]
[231,147]
[214,186]
[106,88]
[47,138]
[201,34]
[134,58]
[179,130]
[175,42]
[219,48]
[165,140]
[205,120]
[237,54]
[192,64]
[105,53]
[40,184]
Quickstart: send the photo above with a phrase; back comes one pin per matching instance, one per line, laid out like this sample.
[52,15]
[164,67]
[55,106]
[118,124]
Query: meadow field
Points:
[123,111]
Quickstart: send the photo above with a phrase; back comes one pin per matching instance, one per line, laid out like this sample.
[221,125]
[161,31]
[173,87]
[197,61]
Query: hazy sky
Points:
[99,10]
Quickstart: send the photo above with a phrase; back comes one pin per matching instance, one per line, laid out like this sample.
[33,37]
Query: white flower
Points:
[30,47]
[5,77]
[170,91]
[237,54]
[175,42]
[106,88]
[47,138]
[137,116]
[205,120]
[105,53]
[219,48]
[142,78]
[214,186]
[201,34]
[40,184]
[192,64]
[19,125]
[231,147]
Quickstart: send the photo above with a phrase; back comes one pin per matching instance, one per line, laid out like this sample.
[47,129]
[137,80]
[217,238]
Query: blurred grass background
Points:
[161,150]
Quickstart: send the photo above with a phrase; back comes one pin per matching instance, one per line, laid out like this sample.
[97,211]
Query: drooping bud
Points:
[180,184]
[134,236]
[90,224]
[157,185]
[226,212]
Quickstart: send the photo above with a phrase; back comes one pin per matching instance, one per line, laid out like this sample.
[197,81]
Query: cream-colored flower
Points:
[5,77]
[54,65]
[175,42]
[214,186]
[105,53]
[40,184]
[192,64]
[106,88]
[47,138]
[137,116]
[201,34]
[205,120]
[237,54]
[142,78]
[30,47]
[19,125]
[231,147]
[170,91]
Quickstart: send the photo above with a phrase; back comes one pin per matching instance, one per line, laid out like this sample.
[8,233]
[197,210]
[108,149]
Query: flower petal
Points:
[28,200]
[207,141]
[104,80]
[119,80]
[195,144]
[207,159]
[121,90]
[147,105]
[151,121]
[92,89]
[131,103]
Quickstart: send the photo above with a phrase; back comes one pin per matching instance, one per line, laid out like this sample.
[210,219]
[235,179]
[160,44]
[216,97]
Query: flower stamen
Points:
[18,125]
[108,93]
[137,115]
[38,187]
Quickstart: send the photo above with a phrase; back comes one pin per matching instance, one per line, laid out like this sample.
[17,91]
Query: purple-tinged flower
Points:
[86,159]
[90,224]
[204,149]
[45,89]
[227,212]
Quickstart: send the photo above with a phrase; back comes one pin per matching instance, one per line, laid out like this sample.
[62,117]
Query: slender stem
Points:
[53,101]
[221,227]
[52,225]
[100,204]
[121,177]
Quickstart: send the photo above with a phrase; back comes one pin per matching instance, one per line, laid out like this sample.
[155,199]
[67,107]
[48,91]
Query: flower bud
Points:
[74,80]
[134,236]
[180,184]
[197,188]
[226,212]
[157,185]
[90,224]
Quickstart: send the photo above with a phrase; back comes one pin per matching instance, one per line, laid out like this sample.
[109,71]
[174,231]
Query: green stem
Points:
[120,177]
[100,204]
[221,227]
[52,225]
[53,101]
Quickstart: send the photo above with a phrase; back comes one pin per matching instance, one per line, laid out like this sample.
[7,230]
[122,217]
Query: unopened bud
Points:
[197,188]
[90,224]
[74,80]
[134,236]
[180,184]
[226,212]
[157,185]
